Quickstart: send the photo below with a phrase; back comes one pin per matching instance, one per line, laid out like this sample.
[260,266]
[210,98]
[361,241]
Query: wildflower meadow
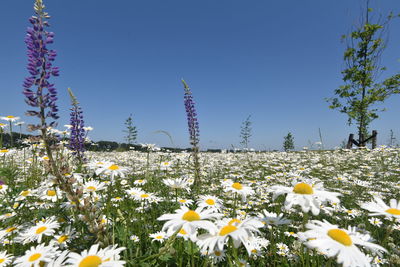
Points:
[63,204]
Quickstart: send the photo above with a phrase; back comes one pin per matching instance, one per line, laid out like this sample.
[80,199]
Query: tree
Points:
[245,132]
[361,92]
[131,131]
[288,142]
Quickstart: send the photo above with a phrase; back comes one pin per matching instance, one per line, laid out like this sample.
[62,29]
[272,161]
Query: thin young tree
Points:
[131,131]
[288,142]
[362,90]
[245,132]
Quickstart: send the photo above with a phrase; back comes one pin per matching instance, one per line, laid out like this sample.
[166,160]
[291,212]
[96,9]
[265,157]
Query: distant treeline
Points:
[94,146]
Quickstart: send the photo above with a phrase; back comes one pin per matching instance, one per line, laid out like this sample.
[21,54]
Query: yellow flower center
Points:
[217,253]
[303,189]
[62,239]
[340,236]
[140,181]
[237,221]
[190,216]
[1,186]
[34,257]
[2,260]
[25,193]
[113,167]
[4,150]
[144,195]
[40,230]
[210,201]
[90,261]
[159,237]
[51,193]
[10,117]
[227,230]
[11,229]
[91,188]
[182,232]
[237,186]
[393,211]
[45,158]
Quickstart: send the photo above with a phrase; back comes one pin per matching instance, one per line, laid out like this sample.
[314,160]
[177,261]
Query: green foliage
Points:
[245,132]
[288,142]
[131,131]
[361,91]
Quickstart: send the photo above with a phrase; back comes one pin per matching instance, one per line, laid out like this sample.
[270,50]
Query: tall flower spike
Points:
[193,126]
[40,67]
[77,140]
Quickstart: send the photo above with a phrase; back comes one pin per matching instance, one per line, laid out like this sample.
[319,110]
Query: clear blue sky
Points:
[276,60]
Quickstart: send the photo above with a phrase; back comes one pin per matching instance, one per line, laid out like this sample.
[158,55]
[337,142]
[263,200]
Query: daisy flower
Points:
[5,259]
[165,165]
[93,186]
[140,182]
[178,183]
[333,241]
[113,170]
[189,220]
[5,233]
[209,202]
[144,196]
[134,191]
[96,257]
[50,194]
[378,207]
[236,187]
[62,239]
[35,256]
[10,118]
[159,236]
[271,218]
[36,233]
[134,238]
[240,232]
[375,221]
[305,194]
[185,202]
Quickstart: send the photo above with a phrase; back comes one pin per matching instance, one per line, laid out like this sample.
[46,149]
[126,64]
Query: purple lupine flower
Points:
[77,139]
[40,67]
[193,124]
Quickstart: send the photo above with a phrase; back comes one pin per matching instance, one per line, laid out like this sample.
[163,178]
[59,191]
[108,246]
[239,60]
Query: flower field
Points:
[310,208]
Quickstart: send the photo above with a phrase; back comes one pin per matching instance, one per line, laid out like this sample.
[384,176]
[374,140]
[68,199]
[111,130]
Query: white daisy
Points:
[239,231]
[178,183]
[35,256]
[236,187]
[210,202]
[108,257]
[36,233]
[378,207]
[333,241]
[305,194]
[5,259]
[189,220]
[271,218]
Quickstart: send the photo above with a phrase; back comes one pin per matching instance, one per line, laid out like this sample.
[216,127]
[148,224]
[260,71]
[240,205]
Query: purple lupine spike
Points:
[193,124]
[77,138]
[40,67]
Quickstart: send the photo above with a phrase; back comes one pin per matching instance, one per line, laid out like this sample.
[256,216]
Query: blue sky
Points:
[276,60]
